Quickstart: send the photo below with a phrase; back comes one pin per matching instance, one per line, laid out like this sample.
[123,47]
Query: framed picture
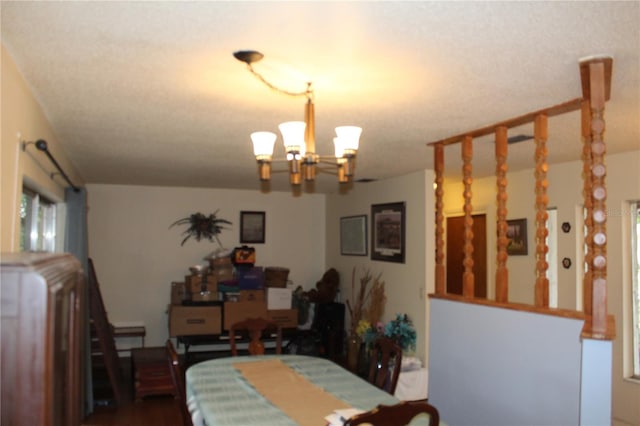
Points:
[252,227]
[517,235]
[388,232]
[353,235]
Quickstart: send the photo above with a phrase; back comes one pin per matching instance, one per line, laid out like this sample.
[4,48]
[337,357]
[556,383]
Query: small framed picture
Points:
[517,236]
[353,235]
[388,232]
[252,227]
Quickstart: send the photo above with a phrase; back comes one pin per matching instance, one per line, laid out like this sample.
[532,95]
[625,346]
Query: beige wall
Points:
[565,183]
[137,255]
[406,284]
[24,120]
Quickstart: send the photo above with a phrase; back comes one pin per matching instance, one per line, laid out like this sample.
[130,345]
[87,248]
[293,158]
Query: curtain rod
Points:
[41,144]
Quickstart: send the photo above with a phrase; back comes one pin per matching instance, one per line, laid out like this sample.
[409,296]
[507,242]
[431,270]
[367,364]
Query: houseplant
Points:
[202,226]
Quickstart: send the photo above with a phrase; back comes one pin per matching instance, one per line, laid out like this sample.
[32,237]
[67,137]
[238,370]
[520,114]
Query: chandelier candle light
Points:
[299,139]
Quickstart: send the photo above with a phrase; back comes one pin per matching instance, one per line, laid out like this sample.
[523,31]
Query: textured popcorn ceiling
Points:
[149,93]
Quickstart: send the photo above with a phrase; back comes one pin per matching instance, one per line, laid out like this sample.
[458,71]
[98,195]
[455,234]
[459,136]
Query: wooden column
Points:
[468,285]
[502,273]
[439,193]
[587,281]
[542,199]
[598,195]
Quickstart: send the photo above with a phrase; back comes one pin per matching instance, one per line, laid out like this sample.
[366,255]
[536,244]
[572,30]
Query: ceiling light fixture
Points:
[299,139]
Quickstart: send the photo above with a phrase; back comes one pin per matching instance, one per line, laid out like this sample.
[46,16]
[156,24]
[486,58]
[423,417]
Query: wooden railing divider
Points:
[542,200]
[468,282]
[502,273]
[439,192]
[595,74]
[587,294]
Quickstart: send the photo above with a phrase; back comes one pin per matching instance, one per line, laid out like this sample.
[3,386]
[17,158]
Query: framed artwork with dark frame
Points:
[388,232]
[353,235]
[252,227]
[517,235]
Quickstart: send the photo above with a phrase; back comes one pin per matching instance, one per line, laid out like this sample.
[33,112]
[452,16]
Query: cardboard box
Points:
[178,293]
[204,296]
[287,318]
[251,295]
[192,282]
[220,262]
[278,298]
[239,311]
[194,320]
[223,273]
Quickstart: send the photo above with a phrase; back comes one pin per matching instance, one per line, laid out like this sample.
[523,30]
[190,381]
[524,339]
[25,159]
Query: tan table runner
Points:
[300,399]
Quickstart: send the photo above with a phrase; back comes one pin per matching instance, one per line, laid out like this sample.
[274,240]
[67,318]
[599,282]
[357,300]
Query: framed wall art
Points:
[517,235]
[388,232]
[353,235]
[252,227]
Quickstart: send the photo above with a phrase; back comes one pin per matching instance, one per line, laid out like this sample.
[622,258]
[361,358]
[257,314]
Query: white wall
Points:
[493,366]
[137,256]
[406,284]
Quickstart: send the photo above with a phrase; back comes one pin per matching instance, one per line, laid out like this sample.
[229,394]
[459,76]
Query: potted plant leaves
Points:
[202,226]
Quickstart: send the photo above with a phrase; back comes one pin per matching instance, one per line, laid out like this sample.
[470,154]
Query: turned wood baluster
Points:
[587,282]
[468,285]
[599,196]
[439,192]
[542,199]
[502,273]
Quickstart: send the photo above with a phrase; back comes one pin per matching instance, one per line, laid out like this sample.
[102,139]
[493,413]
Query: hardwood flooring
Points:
[150,411]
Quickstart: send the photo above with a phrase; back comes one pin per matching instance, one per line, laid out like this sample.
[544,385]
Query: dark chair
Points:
[177,375]
[396,415]
[255,327]
[385,364]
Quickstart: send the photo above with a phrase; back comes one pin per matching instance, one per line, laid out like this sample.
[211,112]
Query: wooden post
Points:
[502,273]
[587,282]
[542,199]
[439,192]
[468,283]
[598,195]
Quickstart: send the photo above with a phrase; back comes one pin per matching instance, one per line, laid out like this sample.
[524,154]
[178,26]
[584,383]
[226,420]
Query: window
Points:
[37,222]
[635,280]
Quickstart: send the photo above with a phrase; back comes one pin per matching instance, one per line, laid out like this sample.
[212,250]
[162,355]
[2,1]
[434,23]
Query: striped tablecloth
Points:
[220,395]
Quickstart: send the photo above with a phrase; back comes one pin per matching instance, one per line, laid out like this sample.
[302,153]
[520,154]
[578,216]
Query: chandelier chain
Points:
[308,93]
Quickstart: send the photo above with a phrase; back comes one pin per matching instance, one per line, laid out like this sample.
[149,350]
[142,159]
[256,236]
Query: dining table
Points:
[278,390]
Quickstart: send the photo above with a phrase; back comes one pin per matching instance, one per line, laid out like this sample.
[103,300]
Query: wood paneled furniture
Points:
[396,415]
[42,297]
[385,363]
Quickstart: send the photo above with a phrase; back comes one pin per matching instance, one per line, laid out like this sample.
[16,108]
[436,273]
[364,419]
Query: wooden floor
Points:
[150,411]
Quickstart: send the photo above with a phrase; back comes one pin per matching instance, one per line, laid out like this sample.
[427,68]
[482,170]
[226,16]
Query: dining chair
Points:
[385,364]
[177,376]
[255,327]
[400,414]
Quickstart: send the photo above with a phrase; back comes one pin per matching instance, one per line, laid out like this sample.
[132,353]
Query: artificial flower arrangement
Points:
[401,329]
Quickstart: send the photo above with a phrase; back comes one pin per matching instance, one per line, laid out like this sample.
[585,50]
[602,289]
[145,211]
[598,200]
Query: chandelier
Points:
[299,140]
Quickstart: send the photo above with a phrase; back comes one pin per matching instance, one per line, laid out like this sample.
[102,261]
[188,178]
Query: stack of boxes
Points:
[208,303]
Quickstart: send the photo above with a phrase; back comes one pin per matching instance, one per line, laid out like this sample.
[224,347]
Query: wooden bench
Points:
[151,373]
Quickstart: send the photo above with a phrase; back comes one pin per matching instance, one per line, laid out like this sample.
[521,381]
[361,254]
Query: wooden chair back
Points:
[255,327]
[385,364]
[396,415]
[177,376]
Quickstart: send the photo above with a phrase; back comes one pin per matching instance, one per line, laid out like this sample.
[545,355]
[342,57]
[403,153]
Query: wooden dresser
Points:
[41,297]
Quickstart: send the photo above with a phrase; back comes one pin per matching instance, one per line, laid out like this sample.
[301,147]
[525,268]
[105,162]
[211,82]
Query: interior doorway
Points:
[455,254]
